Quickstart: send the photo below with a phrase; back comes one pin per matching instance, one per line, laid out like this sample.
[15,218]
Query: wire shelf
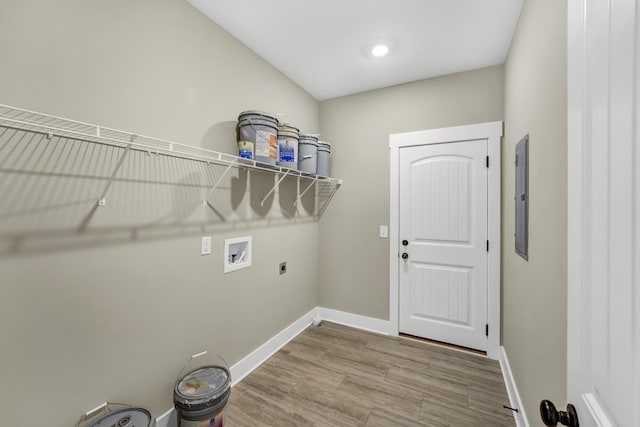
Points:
[60,177]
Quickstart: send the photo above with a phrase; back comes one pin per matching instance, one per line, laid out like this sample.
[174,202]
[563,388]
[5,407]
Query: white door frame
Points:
[492,133]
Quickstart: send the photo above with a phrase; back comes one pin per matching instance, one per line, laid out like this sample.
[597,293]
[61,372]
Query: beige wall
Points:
[354,261]
[116,322]
[534,292]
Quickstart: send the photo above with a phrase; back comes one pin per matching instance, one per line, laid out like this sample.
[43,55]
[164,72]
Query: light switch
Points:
[384,231]
[206,246]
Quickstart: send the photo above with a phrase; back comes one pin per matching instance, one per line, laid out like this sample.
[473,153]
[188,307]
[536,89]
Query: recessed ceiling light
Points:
[380,50]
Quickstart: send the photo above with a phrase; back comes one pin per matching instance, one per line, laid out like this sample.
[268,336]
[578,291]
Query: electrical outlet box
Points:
[237,253]
[205,248]
[384,231]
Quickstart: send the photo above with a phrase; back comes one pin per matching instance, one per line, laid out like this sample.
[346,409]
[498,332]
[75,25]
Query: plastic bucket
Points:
[324,158]
[200,396]
[114,414]
[288,138]
[257,136]
[307,153]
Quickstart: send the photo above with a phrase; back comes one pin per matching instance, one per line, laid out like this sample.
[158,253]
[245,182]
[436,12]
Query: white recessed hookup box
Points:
[237,253]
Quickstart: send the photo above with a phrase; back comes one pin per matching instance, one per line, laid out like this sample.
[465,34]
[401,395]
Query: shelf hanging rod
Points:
[226,171]
[324,206]
[305,191]
[102,201]
[274,188]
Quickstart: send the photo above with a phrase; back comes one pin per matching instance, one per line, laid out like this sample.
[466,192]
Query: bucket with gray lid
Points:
[288,138]
[324,158]
[117,415]
[202,391]
[307,153]
[257,136]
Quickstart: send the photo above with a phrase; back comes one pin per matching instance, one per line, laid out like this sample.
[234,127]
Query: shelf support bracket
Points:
[226,171]
[305,191]
[102,200]
[274,188]
[326,204]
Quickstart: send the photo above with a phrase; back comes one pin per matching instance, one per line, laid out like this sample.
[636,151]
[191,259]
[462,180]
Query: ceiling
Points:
[325,45]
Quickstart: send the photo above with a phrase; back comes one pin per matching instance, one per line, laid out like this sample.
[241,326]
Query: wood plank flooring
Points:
[332,375]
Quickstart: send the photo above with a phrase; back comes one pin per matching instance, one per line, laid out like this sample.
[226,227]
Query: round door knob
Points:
[405,242]
[551,416]
[405,255]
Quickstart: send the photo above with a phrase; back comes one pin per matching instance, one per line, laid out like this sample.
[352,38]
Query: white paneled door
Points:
[603,337]
[443,234]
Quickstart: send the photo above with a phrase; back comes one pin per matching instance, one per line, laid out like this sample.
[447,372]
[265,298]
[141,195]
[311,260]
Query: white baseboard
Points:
[512,390]
[256,358]
[269,348]
[355,321]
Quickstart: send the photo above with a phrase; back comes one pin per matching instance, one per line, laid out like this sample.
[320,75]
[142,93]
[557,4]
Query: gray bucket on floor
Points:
[257,136]
[288,139]
[307,153]
[324,158]
[115,414]
[201,395]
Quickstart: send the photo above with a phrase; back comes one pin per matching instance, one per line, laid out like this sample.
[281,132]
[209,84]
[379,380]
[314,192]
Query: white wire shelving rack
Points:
[33,131]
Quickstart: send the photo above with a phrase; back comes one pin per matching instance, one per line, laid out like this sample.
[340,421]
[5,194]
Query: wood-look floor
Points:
[332,375]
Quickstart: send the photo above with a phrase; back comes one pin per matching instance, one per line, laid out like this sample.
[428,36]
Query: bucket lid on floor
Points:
[117,415]
[202,387]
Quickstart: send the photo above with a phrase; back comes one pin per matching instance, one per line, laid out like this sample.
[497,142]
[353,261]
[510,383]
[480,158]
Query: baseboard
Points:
[256,358]
[355,321]
[512,390]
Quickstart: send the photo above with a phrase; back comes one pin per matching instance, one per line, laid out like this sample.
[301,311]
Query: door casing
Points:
[492,133]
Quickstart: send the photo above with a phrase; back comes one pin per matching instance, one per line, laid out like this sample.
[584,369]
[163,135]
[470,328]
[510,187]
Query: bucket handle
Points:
[308,156]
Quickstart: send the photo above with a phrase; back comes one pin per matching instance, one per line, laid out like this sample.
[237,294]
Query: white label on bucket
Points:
[266,144]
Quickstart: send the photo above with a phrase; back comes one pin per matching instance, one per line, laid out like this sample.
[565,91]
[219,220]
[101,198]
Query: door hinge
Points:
[486,329]
[487,246]
[487,161]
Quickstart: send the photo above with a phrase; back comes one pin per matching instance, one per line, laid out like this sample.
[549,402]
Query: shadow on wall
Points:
[63,193]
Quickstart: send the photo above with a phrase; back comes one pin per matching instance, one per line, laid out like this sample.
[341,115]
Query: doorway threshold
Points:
[444,344]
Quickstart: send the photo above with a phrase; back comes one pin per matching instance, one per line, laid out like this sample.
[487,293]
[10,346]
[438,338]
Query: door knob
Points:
[405,242]
[551,416]
[405,255]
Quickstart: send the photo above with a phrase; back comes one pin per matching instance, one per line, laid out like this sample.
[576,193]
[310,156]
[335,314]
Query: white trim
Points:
[394,248]
[493,234]
[512,390]
[450,134]
[355,321]
[492,132]
[168,419]
[597,411]
[256,358]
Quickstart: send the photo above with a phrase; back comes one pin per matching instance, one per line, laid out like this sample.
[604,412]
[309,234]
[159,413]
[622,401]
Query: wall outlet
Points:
[205,248]
[384,231]
[283,267]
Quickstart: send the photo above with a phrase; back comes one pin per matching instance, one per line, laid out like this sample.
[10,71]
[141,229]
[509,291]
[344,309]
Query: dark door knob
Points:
[405,255]
[551,416]
[405,242]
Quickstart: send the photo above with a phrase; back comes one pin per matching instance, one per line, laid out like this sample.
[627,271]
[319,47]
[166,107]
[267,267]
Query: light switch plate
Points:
[206,246]
[384,231]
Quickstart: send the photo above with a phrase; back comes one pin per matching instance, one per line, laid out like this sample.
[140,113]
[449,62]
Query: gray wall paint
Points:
[534,292]
[117,321]
[354,261]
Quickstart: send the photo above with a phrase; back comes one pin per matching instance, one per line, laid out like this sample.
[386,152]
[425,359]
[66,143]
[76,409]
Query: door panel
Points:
[443,215]
[603,373]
